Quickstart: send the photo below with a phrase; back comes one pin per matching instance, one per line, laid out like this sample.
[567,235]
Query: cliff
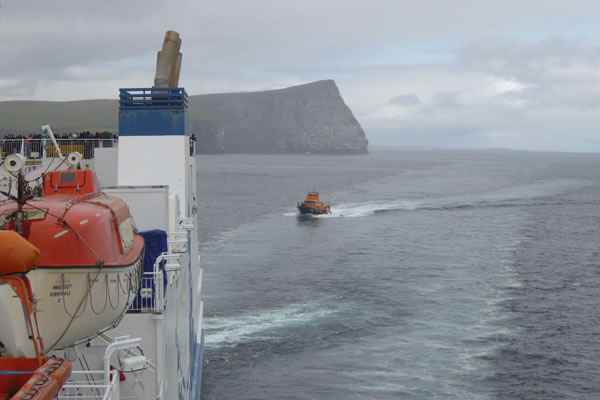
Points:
[306,118]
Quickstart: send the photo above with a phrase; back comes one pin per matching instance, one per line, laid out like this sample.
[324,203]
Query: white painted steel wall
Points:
[156,160]
[165,160]
[106,165]
[148,205]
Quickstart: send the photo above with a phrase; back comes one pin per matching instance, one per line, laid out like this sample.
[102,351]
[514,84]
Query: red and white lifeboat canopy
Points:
[76,225]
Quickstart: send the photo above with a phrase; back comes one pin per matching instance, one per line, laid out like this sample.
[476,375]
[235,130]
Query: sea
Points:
[439,275]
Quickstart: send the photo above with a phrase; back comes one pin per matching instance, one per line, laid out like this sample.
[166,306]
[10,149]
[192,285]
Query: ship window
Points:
[127,235]
[68,178]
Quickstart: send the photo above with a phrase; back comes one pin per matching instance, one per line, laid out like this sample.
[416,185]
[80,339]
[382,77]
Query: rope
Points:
[43,380]
[62,277]
[30,395]
[118,292]
[92,297]
[100,265]
[121,287]
[137,270]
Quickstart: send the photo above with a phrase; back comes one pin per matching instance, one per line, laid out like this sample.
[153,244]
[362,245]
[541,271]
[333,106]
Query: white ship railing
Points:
[151,297]
[103,385]
[90,385]
[145,302]
[35,149]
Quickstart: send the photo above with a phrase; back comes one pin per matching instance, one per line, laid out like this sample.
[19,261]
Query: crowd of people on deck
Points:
[69,135]
[83,142]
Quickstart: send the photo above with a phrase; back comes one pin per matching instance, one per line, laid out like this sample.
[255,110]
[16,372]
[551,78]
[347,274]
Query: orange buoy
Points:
[17,255]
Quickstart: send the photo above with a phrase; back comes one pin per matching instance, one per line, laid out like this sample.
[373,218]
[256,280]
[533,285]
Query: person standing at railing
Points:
[192,144]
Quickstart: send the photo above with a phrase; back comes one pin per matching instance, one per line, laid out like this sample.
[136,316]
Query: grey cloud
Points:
[259,33]
[406,100]
[42,42]
[530,61]
[554,72]
[17,88]
[476,128]
[445,99]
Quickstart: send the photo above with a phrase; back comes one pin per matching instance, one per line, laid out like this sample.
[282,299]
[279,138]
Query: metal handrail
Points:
[151,294]
[37,148]
[80,386]
[153,98]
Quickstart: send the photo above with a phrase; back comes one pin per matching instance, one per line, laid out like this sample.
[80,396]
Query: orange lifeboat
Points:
[90,267]
[313,205]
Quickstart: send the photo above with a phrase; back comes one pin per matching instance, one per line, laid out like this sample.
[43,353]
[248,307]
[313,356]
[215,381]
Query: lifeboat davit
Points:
[36,377]
[313,205]
[90,267]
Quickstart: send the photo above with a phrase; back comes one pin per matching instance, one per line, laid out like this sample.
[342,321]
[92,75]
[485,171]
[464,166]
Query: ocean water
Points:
[439,275]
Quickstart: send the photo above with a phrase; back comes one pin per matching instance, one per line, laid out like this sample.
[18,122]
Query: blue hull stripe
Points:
[197,367]
[307,210]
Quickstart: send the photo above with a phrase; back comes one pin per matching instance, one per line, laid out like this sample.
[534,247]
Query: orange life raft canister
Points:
[17,255]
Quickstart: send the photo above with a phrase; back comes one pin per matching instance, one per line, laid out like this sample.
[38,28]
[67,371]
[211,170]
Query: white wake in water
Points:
[362,209]
[516,195]
[366,209]
[231,331]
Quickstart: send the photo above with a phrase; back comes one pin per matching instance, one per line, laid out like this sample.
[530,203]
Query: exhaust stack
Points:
[168,62]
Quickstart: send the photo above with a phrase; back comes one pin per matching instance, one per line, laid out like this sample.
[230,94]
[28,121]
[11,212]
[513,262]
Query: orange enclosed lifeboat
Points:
[90,266]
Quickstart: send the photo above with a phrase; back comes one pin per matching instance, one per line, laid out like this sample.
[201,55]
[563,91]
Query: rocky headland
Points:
[307,118]
[310,118]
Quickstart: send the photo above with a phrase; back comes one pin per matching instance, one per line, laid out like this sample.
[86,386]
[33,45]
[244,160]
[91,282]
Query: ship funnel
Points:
[168,62]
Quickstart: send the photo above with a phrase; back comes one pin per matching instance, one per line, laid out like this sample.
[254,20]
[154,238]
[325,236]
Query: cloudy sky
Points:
[445,73]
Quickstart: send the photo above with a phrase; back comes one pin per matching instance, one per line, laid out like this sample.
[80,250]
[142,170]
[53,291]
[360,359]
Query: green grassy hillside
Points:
[67,116]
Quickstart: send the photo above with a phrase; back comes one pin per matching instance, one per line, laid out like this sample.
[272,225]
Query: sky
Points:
[431,73]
